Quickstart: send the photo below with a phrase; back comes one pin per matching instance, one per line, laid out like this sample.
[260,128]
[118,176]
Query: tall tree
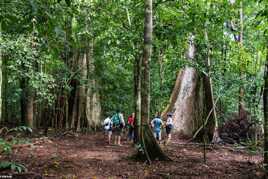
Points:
[186,99]
[241,105]
[263,14]
[93,107]
[137,96]
[1,79]
[27,101]
[265,108]
[151,148]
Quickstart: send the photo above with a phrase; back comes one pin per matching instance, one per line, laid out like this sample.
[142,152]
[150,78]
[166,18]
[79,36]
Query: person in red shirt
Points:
[130,122]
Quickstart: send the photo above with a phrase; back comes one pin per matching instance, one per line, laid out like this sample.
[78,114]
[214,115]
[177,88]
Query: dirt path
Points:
[88,156]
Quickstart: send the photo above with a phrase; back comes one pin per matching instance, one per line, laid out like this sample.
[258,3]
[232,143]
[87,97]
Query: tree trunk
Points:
[1,119]
[137,97]
[265,110]
[192,101]
[161,70]
[93,107]
[82,93]
[74,95]
[151,148]
[241,102]
[209,99]
[74,109]
[29,110]
[22,100]
[66,110]
[186,99]
[4,92]
[27,101]
[28,91]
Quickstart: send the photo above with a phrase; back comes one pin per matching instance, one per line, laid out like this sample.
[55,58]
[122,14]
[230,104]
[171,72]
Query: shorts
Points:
[168,129]
[157,134]
[117,130]
[108,131]
[131,133]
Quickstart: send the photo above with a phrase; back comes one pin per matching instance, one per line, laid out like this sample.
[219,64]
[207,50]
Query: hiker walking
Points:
[157,124]
[107,123]
[169,127]
[130,122]
[118,125]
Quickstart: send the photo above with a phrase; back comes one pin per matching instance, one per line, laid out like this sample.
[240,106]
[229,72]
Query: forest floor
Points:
[89,156]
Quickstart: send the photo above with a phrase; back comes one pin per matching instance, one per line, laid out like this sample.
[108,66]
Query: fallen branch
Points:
[21,146]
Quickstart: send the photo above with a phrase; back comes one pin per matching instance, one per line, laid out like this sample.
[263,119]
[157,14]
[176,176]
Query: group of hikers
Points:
[115,124]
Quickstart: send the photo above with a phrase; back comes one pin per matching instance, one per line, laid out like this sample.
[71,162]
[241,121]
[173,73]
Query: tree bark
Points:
[186,99]
[137,101]
[74,109]
[4,92]
[29,111]
[1,78]
[191,100]
[93,107]
[81,88]
[26,104]
[1,119]
[161,74]
[66,110]
[151,148]
[265,110]
[74,94]
[241,102]
[209,98]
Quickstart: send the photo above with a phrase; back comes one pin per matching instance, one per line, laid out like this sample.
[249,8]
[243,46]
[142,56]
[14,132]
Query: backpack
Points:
[116,120]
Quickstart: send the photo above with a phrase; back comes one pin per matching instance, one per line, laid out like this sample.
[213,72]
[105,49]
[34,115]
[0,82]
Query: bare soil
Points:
[89,156]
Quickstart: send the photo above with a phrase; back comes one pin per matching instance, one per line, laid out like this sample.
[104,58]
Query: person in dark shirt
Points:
[130,122]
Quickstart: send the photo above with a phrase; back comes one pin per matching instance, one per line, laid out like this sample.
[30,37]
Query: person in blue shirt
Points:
[157,124]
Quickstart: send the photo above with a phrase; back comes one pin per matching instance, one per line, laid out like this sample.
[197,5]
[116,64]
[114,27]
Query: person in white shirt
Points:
[169,126]
[107,123]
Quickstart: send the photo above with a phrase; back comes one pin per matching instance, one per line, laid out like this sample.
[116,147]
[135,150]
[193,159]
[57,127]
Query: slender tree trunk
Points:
[4,92]
[22,100]
[145,69]
[210,103]
[1,78]
[151,148]
[66,110]
[241,105]
[137,97]
[161,74]
[265,110]
[74,109]
[74,95]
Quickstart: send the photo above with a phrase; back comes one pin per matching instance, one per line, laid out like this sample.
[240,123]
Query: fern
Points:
[13,166]
[5,147]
